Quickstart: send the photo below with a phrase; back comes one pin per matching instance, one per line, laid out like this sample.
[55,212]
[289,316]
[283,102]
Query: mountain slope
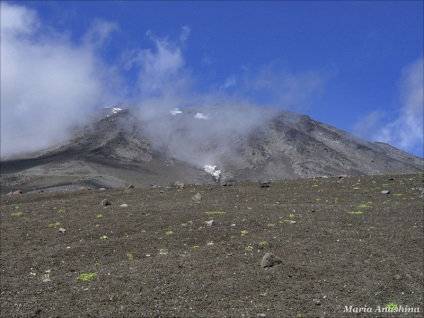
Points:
[122,148]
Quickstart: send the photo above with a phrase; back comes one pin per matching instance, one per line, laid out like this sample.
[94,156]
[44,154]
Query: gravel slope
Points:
[350,245]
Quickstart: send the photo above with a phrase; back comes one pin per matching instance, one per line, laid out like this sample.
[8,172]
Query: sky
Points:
[355,65]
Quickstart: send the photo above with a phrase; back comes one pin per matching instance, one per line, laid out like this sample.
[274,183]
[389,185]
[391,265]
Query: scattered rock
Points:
[293,222]
[265,184]
[210,223]
[130,186]
[197,197]
[317,302]
[342,176]
[270,260]
[385,192]
[105,202]
[124,205]
[227,183]
[179,185]
[155,185]
[102,189]
[84,189]
[62,230]
[17,192]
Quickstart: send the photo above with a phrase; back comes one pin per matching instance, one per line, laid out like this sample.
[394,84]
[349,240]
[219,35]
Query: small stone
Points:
[179,185]
[270,260]
[210,223]
[62,230]
[293,222]
[265,184]
[262,315]
[197,197]
[124,205]
[317,302]
[17,192]
[385,192]
[102,189]
[130,186]
[105,202]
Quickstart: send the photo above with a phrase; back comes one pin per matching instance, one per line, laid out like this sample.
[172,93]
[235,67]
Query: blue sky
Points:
[355,65]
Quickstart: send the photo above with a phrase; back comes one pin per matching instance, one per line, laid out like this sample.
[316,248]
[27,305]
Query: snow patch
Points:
[201,116]
[175,111]
[213,171]
[116,110]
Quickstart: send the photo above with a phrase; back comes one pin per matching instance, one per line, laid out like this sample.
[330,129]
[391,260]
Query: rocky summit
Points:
[200,146]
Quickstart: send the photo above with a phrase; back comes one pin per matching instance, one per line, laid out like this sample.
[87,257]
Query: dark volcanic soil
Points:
[350,245]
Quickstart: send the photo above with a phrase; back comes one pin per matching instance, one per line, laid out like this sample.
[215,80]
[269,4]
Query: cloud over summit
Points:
[48,83]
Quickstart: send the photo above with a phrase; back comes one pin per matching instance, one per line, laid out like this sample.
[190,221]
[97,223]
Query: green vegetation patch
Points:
[16,214]
[54,225]
[355,212]
[86,276]
[392,306]
[363,206]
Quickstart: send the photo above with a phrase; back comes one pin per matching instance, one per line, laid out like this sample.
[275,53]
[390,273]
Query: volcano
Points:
[190,145]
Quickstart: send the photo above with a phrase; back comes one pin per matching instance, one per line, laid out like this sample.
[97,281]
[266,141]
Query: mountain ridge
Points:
[121,148]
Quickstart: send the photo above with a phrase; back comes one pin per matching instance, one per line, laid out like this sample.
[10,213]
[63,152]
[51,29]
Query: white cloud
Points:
[229,82]
[406,130]
[17,20]
[363,127]
[48,84]
[158,69]
[185,32]
[99,33]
